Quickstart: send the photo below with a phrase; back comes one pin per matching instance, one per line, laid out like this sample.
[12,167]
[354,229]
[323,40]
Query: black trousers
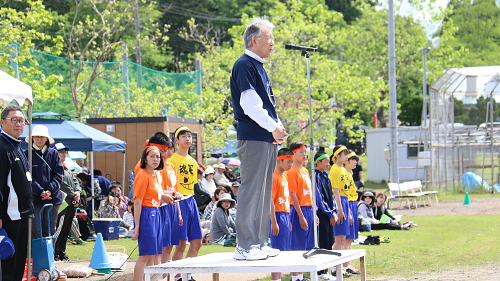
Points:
[13,268]
[326,237]
[389,226]
[60,248]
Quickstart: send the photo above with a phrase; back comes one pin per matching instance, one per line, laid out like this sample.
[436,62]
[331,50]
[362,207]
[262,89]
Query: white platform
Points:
[290,261]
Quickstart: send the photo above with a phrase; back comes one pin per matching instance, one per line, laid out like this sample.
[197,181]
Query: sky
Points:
[422,15]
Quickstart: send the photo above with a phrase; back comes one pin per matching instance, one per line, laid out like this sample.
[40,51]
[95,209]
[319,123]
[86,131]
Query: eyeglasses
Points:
[270,39]
[64,151]
[167,150]
[15,121]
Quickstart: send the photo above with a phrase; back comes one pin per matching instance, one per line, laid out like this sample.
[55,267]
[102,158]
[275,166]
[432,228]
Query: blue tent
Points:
[78,136]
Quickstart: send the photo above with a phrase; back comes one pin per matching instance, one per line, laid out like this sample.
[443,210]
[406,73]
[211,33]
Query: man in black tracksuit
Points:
[16,204]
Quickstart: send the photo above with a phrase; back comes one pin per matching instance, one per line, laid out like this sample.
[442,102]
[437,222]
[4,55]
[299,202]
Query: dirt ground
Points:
[484,206]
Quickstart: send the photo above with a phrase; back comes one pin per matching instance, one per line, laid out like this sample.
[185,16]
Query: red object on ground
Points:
[25,277]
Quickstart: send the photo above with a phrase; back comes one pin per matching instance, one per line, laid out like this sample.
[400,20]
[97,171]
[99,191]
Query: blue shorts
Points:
[302,239]
[282,240]
[166,224]
[343,228]
[191,226]
[354,228]
[150,232]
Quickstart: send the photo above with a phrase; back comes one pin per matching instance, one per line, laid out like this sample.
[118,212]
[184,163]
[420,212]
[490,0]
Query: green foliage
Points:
[364,43]
[411,111]
[335,88]
[478,30]
[19,30]
[477,114]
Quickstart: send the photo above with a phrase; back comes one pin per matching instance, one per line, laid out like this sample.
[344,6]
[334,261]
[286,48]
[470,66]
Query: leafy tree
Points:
[364,43]
[95,35]
[411,111]
[477,113]
[459,112]
[335,87]
[19,30]
[478,23]
[348,8]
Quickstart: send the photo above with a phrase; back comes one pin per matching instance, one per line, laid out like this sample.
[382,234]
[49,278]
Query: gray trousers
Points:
[258,160]
[35,230]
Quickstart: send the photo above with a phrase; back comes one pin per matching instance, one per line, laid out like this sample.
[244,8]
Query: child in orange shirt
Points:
[147,197]
[301,212]
[280,231]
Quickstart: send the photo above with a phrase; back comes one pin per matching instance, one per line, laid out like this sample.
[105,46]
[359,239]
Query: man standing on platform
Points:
[259,132]
[16,197]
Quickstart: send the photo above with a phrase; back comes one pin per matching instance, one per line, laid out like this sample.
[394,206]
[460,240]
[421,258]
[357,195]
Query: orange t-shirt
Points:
[300,183]
[147,188]
[281,194]
[168,178]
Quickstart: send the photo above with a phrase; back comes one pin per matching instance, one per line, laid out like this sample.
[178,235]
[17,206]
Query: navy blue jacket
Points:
[247,73]
[48,174]
[325,200]
[15,190]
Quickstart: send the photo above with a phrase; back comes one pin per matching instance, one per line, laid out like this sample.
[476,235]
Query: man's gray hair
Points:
[254,30]
[9,108]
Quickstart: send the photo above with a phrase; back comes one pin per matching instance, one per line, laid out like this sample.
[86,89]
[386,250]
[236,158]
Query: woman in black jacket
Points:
[47,178]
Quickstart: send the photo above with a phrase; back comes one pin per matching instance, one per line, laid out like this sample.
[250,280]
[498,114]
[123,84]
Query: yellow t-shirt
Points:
[340,180]
[353,195]
[187,173]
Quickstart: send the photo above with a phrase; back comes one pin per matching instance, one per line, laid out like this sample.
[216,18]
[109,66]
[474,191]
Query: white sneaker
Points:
[270,251]
[255,253]
[327,277]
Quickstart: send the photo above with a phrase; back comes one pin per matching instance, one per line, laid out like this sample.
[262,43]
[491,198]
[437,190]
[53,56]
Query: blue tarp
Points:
[78,136]
[471,181]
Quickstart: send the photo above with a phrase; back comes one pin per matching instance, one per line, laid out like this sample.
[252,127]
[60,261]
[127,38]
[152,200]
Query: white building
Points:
[377,140]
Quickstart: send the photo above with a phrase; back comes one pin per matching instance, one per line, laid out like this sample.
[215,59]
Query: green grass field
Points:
[438,242]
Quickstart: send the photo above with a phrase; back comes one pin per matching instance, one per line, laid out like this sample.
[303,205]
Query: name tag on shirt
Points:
[28,176]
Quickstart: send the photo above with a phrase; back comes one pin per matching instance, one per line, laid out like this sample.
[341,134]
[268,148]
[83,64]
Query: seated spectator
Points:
[201,196]
[367,221]
[87,192]
[116,187]
[222,223]
[104,184]
[128,217]
[207,215]
[379,209]
[208,182]
[109,209]
[229,173]
[219,177]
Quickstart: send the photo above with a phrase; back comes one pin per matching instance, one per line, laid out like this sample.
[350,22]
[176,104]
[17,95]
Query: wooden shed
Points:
[135,131]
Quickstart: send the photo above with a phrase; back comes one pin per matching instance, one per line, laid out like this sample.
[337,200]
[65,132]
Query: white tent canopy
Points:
[13,89]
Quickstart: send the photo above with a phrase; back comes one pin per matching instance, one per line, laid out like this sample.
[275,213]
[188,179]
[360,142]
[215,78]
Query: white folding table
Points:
[290,261]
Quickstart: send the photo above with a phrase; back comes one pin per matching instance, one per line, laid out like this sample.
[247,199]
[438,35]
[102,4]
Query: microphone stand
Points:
[316,250]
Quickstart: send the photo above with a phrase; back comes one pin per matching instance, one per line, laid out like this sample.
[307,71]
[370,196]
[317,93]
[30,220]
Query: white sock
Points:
[277,280]
[345,267]
[189,276]
[301,276]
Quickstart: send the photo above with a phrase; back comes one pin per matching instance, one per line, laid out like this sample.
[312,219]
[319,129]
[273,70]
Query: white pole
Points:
[123,175]
[311,156]
[30,161]
[392,96]
[92,181]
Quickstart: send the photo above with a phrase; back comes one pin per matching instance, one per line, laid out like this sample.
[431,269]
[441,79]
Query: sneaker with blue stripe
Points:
[255,253]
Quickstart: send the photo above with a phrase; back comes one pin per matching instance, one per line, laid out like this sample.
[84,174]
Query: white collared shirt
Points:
[252,104]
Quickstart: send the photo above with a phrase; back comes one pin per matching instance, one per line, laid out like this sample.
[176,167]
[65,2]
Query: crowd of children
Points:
[166,213]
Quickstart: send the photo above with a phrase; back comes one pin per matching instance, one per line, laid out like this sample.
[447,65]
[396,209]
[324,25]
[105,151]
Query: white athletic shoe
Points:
[255,253]
[327,277]
[270,251]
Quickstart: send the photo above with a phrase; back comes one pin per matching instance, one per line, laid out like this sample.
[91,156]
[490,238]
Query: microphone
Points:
[300,48]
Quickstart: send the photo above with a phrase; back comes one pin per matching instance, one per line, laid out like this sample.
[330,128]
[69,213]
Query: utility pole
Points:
[392,96]
[138,44]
